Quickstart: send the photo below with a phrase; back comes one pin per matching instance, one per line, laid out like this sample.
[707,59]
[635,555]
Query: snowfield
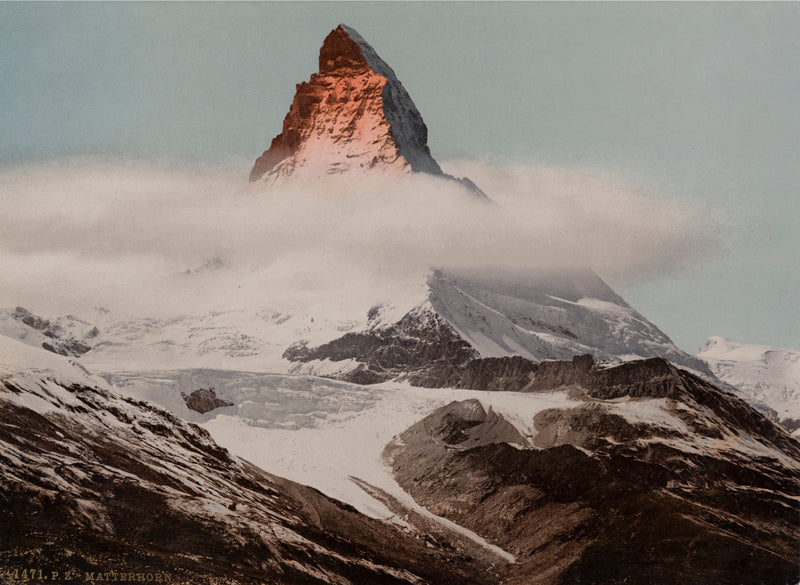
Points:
[547,315]
[760,372]
[324,433]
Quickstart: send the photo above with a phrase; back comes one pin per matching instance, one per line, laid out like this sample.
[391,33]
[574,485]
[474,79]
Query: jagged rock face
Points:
[466,425]
[511,374]
[674,480]
[353,115]
[657,378]
[204,400]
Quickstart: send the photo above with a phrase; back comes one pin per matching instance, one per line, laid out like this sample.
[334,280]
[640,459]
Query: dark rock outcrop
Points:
[657,378]
[465,425]
[512,374]
[204,400]
[421,347]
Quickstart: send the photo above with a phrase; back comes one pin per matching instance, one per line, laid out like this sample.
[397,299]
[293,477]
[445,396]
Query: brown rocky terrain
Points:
[696,488]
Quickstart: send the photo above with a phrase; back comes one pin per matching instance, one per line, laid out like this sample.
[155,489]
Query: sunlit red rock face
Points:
[353,115]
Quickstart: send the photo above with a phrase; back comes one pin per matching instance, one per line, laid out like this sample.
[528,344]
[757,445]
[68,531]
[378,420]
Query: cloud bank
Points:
[84,234]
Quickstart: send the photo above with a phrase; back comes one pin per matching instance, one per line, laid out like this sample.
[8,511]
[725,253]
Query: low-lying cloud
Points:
[86,233]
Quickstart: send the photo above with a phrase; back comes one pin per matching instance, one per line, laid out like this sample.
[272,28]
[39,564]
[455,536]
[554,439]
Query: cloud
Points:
[122,235]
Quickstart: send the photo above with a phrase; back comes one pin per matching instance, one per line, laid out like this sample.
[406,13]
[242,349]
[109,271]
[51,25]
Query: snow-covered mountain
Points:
[474,426]
[457,317]
[355,117]
[67,335]
[426,332]
[768,374]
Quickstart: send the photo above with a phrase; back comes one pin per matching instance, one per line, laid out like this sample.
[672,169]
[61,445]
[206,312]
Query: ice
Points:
[762,373]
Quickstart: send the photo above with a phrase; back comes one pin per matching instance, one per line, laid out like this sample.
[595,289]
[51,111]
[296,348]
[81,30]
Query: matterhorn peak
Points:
[352,116]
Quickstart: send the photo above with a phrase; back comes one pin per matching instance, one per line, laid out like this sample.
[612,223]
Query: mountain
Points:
[432,333]
[432,336]
[471,426]
[101,487]
[767,374]
[352,116]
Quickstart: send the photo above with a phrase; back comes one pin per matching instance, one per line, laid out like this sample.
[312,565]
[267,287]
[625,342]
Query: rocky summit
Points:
[352,116]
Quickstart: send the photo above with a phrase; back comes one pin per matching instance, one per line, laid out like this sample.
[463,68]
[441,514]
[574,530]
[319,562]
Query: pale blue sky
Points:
[699,102]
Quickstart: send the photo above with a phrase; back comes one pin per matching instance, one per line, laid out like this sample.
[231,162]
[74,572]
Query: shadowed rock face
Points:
[512,373]
[421,346]
[657,378]
[465,425]
[699,488]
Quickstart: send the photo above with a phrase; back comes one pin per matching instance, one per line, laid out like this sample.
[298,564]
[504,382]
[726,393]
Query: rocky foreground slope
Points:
[96,484]
[655,476]
[642,463]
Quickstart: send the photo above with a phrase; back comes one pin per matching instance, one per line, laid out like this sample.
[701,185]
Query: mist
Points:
[142,238]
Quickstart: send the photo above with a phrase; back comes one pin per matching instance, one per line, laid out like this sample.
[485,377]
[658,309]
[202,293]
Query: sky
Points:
[691,106]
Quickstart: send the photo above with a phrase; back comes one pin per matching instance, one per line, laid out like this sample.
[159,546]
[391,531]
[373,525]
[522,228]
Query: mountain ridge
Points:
[649,465]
